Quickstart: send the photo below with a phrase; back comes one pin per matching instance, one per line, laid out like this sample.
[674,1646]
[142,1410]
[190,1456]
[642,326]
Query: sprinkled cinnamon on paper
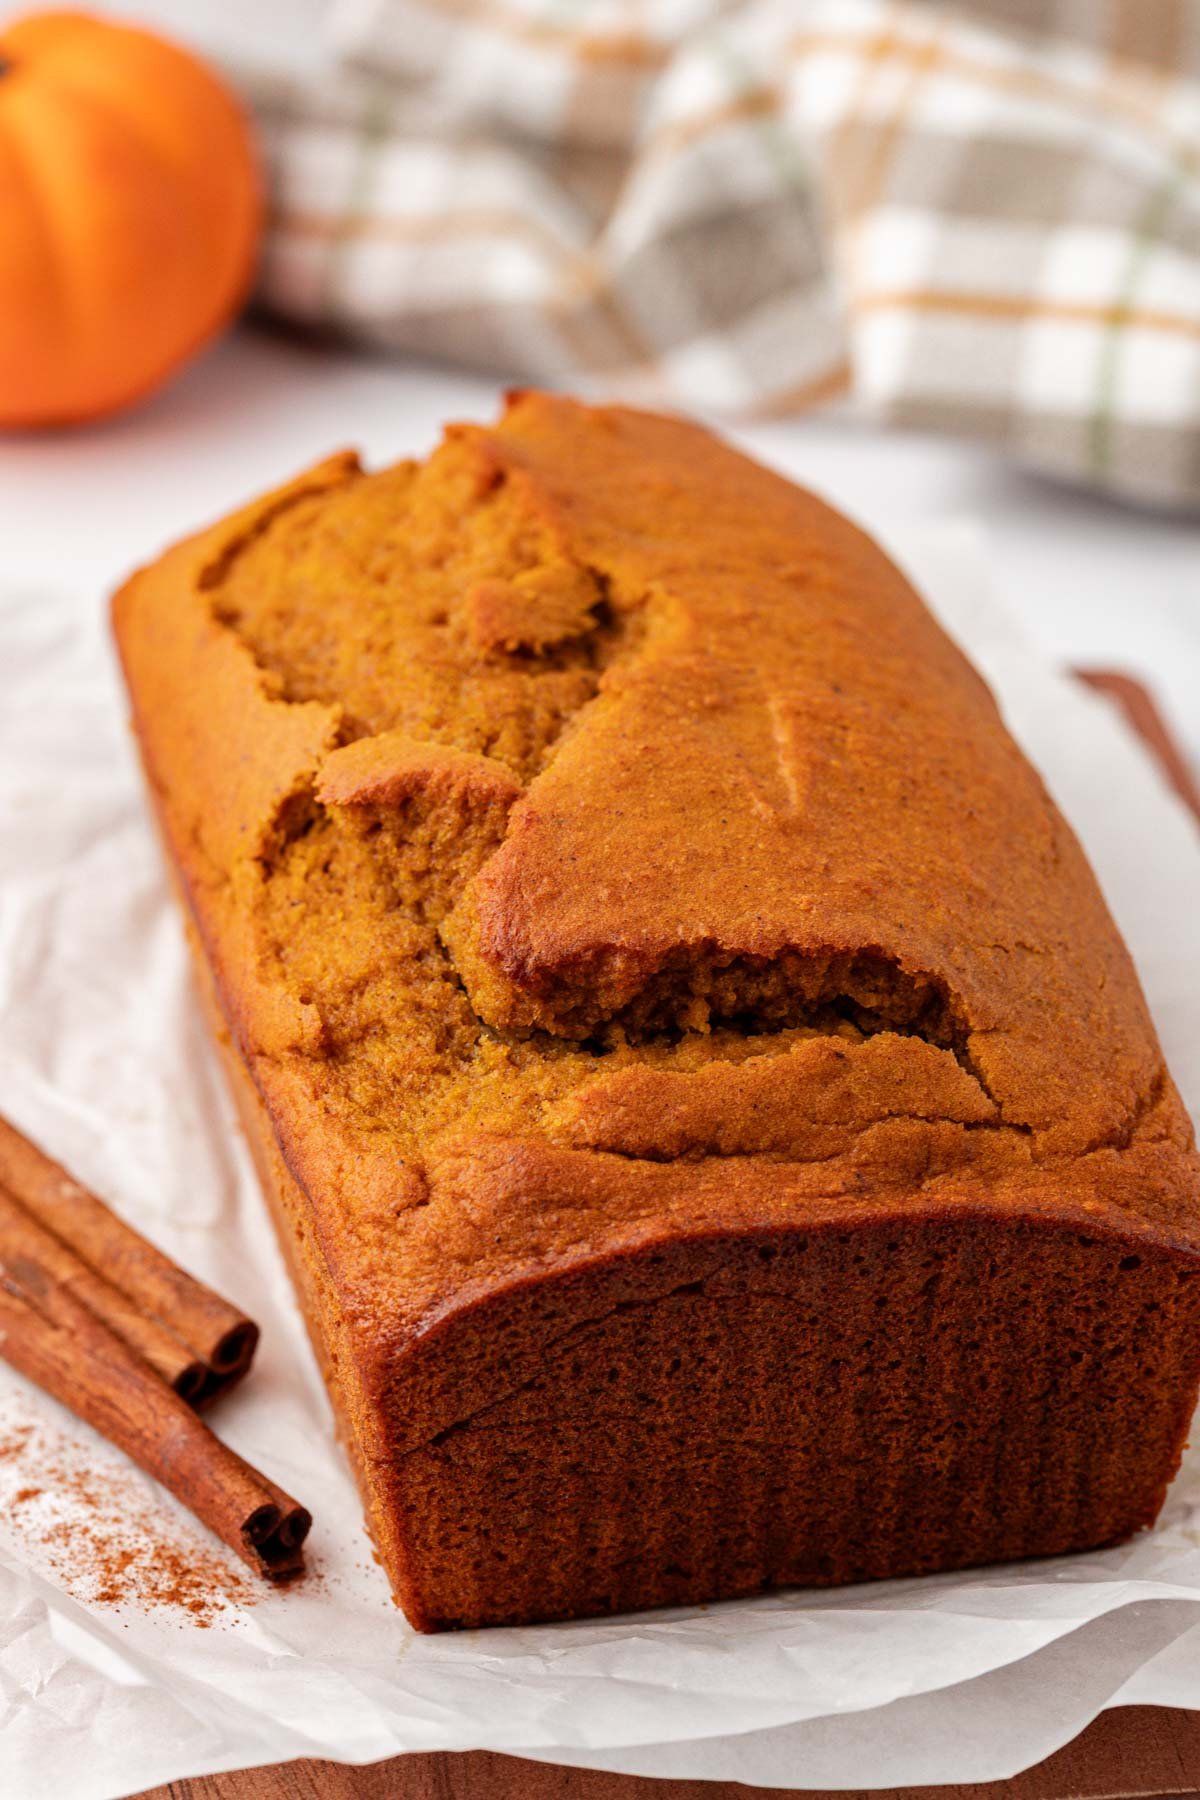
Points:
[103,1535]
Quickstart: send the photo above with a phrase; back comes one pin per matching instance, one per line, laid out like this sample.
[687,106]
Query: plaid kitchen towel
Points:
[980,217]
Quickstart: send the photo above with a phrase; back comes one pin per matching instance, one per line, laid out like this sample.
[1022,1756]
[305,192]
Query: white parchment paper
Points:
[103,1059]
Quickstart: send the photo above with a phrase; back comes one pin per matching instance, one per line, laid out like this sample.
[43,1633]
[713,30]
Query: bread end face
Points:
[847,1401]
[865,1389]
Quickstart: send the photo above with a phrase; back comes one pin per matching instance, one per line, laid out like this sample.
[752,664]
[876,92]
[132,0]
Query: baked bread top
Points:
[593,836]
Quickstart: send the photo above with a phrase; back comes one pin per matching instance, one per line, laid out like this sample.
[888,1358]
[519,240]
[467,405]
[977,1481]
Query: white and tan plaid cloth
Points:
[980,217]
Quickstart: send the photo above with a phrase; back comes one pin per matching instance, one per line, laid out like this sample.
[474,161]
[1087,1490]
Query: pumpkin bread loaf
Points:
[713,1120]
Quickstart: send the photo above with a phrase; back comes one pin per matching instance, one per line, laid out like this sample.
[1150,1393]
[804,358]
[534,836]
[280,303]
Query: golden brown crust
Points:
[798,763]
[601,854]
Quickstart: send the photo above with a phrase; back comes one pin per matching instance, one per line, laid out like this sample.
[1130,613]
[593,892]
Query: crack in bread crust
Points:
[469,635]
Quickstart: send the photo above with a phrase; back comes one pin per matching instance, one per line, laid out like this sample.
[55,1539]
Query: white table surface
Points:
[1093,582]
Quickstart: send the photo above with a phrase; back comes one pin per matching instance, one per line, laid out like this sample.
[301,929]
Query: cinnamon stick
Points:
[22,1237]
[50,1334]
[1141,712]
[209,1329]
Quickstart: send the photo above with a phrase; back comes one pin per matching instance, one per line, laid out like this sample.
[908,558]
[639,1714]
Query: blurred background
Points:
[933,259]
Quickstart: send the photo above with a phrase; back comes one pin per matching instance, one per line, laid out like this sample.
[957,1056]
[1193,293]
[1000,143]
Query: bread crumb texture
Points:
[590,786]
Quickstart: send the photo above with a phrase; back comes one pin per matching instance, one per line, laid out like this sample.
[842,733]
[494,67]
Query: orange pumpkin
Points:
[130,209]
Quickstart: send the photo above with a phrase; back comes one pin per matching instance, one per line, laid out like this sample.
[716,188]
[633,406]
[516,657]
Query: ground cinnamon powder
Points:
[98,1531]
